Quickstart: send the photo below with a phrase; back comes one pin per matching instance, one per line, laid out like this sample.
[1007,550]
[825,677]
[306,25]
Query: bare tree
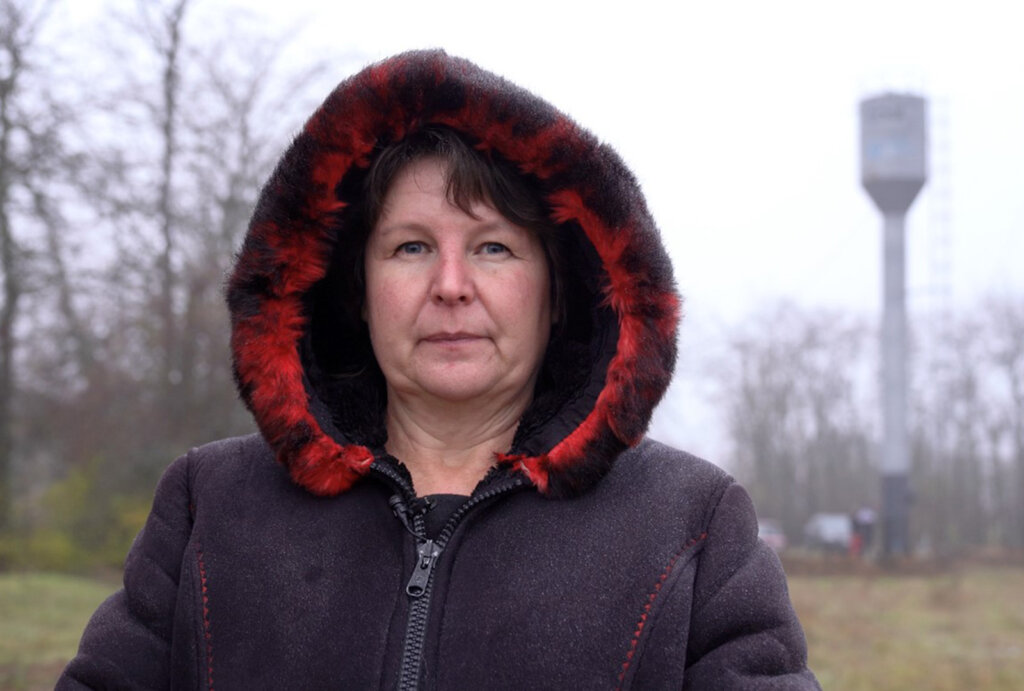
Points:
[1007,355]
[166,32]
[949,431]
[30,151]
[155,168]
[967,430]
[201,114]
[793,391]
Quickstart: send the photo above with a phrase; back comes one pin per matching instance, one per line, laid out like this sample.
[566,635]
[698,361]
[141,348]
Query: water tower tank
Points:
[893,150]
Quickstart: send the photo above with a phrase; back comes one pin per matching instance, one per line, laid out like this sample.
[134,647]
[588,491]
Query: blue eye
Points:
[411,248]
[494,248]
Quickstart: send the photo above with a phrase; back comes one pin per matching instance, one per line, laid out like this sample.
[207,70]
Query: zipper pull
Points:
[401,512]
[427,552]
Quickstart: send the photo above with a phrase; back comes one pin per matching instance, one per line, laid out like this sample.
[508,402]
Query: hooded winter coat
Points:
[589,557]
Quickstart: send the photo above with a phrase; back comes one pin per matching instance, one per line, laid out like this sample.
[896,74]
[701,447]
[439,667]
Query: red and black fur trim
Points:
[294,231]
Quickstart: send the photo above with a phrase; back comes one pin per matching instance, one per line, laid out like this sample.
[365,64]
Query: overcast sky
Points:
[740,120]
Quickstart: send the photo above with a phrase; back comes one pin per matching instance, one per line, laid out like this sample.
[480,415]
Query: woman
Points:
[452,317]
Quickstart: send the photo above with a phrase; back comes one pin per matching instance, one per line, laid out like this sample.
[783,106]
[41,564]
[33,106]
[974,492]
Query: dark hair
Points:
[472,176]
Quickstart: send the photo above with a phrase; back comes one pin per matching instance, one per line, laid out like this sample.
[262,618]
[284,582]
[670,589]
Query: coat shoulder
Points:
[227,453]
[227,462]
[679,482]
[673,462]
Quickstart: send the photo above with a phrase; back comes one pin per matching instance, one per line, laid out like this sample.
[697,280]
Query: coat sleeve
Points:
[127,643]
[744,632]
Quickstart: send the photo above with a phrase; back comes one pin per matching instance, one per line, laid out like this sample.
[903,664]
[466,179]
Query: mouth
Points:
[452,338]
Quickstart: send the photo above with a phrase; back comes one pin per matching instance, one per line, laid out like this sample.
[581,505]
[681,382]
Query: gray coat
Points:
[655,579]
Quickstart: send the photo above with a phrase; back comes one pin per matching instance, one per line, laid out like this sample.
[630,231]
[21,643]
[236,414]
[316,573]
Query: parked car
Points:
[830,532]
[771,532]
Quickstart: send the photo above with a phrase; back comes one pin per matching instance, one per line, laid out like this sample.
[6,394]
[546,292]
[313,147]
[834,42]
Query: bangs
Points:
[471,177]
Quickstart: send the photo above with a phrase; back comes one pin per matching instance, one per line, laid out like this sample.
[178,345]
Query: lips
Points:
[456,337]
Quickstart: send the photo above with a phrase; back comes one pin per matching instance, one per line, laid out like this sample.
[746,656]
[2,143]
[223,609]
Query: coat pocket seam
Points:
[207,635]
[652,596]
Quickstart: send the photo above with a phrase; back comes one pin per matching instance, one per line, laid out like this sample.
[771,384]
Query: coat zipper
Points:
[428,551]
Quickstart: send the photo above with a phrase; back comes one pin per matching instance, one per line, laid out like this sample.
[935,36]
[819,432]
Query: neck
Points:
[448,447]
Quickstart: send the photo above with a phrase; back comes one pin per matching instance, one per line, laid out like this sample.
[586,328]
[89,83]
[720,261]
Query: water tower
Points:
[893,171]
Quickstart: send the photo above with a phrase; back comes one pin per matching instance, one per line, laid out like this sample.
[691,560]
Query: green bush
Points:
[80,526]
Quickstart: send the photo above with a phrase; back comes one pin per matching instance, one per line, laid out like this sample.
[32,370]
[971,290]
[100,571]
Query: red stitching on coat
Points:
[206,620]
[651,597]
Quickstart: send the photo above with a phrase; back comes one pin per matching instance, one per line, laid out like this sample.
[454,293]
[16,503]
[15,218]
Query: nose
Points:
[453,280]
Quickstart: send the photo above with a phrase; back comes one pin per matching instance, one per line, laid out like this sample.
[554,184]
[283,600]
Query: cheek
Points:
[539,283]
[382,306]
[378,302]
[527,300]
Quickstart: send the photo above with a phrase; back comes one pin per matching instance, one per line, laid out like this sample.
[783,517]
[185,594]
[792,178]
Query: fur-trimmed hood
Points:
[292,355]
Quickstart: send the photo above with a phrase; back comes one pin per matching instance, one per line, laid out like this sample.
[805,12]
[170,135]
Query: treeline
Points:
[129,166]
[800,391]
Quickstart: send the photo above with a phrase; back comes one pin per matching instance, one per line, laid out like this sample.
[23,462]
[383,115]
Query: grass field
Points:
[41,620]
[958,629]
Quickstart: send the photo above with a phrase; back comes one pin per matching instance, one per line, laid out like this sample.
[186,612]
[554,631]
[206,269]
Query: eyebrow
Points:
[384,229]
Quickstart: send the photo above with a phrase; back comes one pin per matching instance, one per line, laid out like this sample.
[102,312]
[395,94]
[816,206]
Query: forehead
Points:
[422,176]
[422,190]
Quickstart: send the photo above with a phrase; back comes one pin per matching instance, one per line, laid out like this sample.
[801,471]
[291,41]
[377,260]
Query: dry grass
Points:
[41,619]
[961,628]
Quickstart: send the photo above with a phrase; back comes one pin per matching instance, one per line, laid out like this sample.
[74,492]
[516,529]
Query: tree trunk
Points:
[12,288]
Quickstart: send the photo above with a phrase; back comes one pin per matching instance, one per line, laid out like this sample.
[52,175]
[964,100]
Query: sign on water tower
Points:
[893,170]
[894,163]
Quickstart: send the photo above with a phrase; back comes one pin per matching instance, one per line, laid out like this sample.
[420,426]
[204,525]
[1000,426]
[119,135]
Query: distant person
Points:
[856,537]
[452,318]
[864,525]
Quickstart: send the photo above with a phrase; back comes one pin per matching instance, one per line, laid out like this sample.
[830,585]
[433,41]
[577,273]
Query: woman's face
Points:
[458,307]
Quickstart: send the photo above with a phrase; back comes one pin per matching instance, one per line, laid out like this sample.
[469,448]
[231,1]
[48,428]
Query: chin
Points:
[460,385]
[456,392]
